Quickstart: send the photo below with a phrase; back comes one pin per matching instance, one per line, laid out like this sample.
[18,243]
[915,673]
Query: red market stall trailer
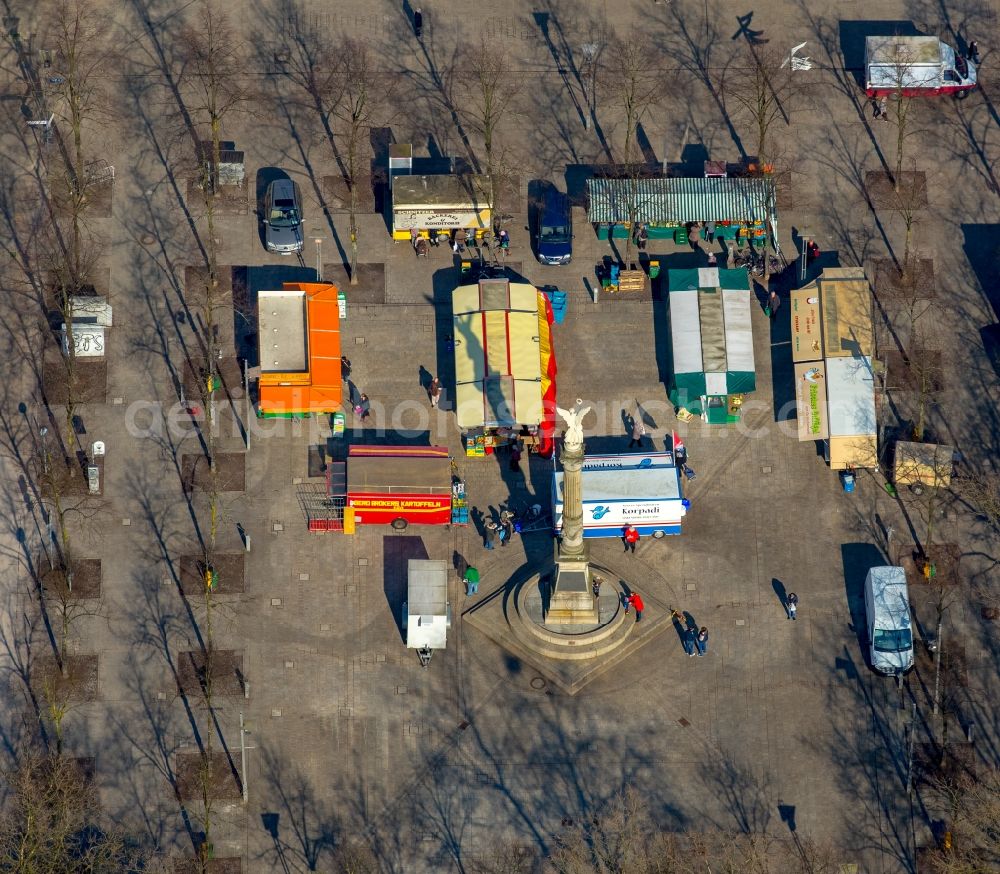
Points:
[400,485]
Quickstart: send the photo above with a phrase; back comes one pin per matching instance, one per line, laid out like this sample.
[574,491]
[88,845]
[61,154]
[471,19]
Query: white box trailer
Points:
[426,610]
[647,495]
[915,66]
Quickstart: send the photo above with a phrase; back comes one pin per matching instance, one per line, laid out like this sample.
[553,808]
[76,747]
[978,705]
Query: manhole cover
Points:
[537,683]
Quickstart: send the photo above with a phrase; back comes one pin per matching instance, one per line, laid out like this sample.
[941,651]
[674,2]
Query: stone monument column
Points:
[572,601]
[571,546]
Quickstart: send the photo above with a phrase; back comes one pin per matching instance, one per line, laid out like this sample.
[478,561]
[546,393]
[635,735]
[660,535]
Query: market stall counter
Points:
[434,207]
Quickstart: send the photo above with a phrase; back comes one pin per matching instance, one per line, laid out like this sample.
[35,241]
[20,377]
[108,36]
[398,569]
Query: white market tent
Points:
[711,335]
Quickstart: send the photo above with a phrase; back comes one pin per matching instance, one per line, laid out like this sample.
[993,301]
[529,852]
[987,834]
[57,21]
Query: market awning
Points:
[498,356]
[682,200]
[711,334]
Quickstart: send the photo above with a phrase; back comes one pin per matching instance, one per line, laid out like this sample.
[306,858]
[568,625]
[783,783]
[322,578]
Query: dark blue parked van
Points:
[555,230]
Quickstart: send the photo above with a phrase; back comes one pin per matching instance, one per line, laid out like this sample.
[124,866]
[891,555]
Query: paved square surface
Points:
[350,741]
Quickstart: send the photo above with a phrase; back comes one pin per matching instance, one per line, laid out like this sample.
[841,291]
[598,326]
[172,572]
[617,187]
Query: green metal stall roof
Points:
[682,200]
[711,335]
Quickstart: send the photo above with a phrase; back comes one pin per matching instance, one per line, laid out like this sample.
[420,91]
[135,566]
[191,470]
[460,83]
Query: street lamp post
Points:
[49,533]
[589,51]
[243,757]
[43,432]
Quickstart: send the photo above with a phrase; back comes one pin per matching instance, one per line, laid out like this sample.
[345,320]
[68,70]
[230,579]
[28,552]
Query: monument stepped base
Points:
[567,655]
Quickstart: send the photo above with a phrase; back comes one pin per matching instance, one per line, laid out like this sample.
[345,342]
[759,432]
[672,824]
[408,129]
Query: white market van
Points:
[915,65]
[641,489]
[887,608]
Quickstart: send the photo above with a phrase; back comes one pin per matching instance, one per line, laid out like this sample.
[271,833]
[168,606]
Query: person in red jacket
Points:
[635,601]
[631,537]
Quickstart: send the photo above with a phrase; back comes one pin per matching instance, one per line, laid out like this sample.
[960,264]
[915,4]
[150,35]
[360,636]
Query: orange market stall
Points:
[505,365]
[298,336]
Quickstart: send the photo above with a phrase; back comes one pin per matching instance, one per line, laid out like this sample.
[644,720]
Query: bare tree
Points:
[925,366]
[972,806]
[902,73]
[760,82]
[354,88]
[49,821]
[982,491]
[633,84]
[213,70]
[507,857]
[928,476]
[64,504]
[83,51]
[615,839]
[486,87]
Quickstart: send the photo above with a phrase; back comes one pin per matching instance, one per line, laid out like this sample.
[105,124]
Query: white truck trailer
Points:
[915,66]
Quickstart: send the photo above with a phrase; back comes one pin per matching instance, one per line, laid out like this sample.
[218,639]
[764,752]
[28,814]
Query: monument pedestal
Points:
[572,601]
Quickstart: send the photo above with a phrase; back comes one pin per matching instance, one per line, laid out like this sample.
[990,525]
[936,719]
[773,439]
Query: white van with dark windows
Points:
[890,631]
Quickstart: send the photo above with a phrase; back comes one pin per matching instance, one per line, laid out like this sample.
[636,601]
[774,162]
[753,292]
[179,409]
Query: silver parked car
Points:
[282,217]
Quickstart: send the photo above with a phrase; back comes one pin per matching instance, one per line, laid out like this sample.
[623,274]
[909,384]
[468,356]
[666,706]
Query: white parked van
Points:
[890,632]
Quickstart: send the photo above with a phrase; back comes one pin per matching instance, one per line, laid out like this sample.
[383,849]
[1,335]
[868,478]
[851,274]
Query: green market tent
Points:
[711,336]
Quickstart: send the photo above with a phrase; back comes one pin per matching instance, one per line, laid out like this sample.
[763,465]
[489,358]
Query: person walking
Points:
[876,108]
[635,600]
[515,456]
[471,580]
[883,109]
[631,538]
[489,529]
[505,528]
[638,431]
[701,640]
[773,303]
[345,368]
[791,604]
[687,638]
[596,587]
[434,392]
[363,407]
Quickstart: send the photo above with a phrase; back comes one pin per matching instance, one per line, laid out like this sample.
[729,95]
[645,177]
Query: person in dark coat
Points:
[791,604]
[418,23]
[701,640]
[687,638]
